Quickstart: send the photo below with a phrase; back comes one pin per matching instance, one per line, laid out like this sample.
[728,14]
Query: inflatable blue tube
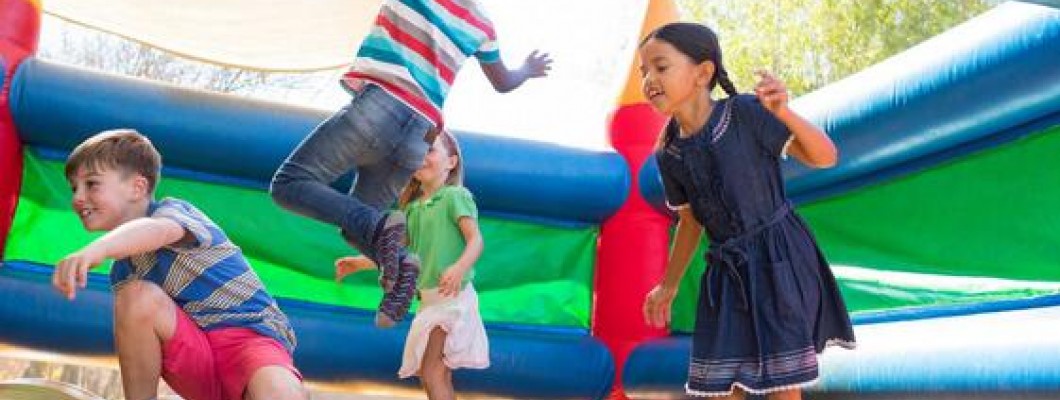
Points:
[651,186]
[1003,348]
[987,81]
[35,315]
[342,345]
[522,177]
[990,74]
[335,344]
[57,106]
[1050,3]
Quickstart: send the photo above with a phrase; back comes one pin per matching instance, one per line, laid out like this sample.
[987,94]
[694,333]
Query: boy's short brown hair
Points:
[123,149]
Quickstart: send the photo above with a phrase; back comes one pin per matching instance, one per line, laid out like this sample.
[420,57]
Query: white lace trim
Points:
[723,124]
[678,207]
[787,144]
[846,344]
[747,389]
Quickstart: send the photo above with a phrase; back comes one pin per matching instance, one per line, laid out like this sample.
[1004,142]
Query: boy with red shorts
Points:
[187,306]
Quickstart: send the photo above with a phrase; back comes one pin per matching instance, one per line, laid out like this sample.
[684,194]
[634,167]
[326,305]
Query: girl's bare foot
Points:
[351,264]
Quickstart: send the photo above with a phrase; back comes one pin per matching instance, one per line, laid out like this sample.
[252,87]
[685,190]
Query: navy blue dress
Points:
[768,303]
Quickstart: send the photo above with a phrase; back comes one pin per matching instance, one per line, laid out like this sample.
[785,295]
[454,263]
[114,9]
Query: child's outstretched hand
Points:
[451,280]
[771,92]
[537,64]
[71,273]
[657,306]
[345,266]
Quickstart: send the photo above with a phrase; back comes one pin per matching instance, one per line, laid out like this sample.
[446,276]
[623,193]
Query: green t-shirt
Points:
[434,234]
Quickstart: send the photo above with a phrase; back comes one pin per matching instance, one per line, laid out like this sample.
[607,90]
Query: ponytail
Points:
[664,139]
[412,191]
[724,81]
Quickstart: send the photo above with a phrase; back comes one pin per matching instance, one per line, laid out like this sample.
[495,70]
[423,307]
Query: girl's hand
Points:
[771,92]
[345,266]
[451,280]
[71,273]
[657,306]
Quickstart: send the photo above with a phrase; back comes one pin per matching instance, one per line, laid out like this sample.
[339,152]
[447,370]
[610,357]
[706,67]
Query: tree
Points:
[810,43]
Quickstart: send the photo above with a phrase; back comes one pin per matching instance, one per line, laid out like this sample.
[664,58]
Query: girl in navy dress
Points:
[768,303]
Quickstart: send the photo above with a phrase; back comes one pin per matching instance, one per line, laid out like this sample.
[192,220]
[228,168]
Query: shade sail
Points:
[269,35]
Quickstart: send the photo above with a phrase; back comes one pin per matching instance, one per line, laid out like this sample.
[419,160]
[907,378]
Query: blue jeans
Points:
[376,134]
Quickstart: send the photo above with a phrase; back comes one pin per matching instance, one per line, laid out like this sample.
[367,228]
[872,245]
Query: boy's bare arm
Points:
[504,80]
[134,237]
[139,236]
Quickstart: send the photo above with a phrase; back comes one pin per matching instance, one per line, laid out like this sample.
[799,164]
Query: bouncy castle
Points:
[939,222]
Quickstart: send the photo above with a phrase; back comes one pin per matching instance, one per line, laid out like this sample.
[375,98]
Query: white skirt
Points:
[466,345]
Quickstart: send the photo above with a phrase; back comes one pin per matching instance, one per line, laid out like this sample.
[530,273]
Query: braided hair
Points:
[699,43]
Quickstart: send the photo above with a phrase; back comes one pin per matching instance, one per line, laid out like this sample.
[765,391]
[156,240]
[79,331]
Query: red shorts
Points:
[217,364]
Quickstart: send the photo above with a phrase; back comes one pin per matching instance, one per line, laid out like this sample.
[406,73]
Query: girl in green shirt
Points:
[447,332]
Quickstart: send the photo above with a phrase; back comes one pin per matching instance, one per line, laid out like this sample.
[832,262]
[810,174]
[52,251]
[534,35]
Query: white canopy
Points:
[592,42]
[268,35]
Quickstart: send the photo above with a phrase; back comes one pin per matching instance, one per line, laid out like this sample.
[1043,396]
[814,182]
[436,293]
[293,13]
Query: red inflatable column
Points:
[19,31]
[634,242]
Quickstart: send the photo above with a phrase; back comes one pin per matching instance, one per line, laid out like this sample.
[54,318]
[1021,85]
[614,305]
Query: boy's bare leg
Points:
[274,382]
[144,318]
[436,377]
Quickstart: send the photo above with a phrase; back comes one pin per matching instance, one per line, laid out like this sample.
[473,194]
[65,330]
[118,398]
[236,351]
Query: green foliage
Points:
[810,43]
